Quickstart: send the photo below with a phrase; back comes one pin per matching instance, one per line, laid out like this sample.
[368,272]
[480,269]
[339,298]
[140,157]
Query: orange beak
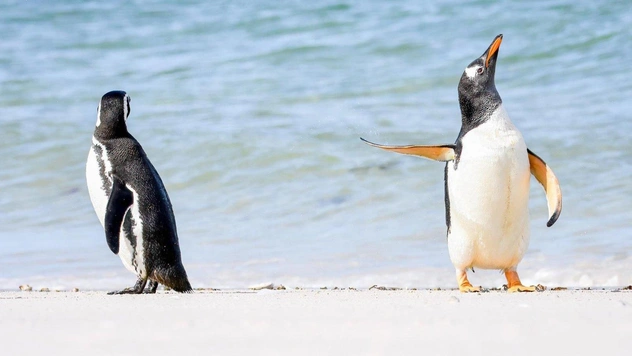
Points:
[493,49]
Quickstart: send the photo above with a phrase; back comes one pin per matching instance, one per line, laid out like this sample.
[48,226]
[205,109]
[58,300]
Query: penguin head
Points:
[477,89]
[479,75]
[112,113]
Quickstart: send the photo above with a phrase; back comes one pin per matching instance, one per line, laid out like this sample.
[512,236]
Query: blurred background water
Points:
[252,113]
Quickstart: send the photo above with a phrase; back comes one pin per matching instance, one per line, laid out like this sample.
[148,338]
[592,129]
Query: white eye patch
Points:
[99,115]
[471,71]
[126,101]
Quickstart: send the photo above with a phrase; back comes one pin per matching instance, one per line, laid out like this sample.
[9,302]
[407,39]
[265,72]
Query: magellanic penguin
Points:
[487,180]
[131,202]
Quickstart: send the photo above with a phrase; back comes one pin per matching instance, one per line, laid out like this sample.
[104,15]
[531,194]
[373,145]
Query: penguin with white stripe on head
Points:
[487,180]
[131,202]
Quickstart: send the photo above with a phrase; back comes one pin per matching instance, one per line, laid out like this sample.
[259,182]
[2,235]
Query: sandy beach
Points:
[317,322]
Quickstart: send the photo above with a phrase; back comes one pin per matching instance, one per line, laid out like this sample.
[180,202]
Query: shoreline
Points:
[25,288]
[319,322]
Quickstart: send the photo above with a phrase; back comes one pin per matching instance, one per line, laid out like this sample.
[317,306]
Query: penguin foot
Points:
[469,289]
[514,284]
[152,286]
[464,284]
[136,289]
[521,288]
[130,290]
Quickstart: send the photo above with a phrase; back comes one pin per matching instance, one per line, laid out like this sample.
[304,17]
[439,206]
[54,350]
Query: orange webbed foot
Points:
[464,284]
[514,285]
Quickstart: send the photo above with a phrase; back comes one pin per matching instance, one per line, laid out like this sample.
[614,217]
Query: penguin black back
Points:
[132,202]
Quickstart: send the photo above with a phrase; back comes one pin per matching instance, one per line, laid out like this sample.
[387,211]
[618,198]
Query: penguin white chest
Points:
[98,169]
[131,242]
[488,192]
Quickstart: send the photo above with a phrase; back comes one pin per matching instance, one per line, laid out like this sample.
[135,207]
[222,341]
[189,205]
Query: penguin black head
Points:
[112,112]
[477,90]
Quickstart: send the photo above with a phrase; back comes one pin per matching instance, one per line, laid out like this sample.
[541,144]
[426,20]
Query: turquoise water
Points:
[252,114]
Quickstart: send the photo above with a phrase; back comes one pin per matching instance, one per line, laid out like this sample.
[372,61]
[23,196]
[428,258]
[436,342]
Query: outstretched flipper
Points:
[543,173]
[120,200]
[443,153]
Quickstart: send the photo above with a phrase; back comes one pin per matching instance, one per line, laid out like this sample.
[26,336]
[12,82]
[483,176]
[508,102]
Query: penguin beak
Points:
[492,51]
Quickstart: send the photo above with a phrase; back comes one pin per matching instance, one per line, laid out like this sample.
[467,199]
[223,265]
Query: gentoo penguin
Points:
[131,202]
[487,180]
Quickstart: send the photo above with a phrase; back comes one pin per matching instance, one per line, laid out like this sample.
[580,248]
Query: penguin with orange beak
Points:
[487,176]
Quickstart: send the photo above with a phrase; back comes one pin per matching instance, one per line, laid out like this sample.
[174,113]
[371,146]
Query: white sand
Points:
[309,322]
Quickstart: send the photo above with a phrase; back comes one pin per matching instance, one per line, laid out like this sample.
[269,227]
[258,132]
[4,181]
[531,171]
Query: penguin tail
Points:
[183,287]
[174,277]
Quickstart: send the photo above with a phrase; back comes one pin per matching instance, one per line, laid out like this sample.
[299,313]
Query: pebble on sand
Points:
[267,286]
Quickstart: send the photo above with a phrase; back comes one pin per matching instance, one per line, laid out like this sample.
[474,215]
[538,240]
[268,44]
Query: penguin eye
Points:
[480,70]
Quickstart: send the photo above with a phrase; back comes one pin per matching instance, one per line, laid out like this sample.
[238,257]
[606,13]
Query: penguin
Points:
[486,180]
[131,202]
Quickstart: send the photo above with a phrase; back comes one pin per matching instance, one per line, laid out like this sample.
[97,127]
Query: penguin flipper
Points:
[120,200]
[443,153]
[544,174]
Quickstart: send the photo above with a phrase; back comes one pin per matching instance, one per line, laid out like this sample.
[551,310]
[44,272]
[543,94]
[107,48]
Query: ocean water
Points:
[252,113]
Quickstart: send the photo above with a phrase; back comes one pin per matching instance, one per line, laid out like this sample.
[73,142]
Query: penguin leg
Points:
[136,289]
[151,287]
[464,284]
[514,284]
